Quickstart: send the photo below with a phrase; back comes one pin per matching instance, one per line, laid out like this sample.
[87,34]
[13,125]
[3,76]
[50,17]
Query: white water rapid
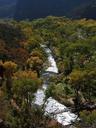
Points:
[53,108]
[53,67]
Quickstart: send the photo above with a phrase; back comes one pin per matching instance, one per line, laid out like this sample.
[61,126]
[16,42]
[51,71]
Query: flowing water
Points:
[53,108]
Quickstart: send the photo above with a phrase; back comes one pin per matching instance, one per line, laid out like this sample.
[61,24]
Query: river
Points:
[53,108]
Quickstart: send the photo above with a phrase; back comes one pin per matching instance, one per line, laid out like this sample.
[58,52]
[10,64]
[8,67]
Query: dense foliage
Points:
[73,43]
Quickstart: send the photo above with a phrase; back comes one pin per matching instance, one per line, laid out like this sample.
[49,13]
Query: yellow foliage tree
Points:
[10,68]
[35,63]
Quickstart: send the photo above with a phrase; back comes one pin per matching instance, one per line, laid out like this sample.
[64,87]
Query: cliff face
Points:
[7,8]
[30,9]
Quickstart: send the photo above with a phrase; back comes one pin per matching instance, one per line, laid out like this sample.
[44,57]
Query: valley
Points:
[48,66]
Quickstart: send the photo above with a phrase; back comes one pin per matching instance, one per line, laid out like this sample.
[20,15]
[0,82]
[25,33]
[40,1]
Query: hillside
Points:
[23,61]
[37,9]
[23,9]
[84,11]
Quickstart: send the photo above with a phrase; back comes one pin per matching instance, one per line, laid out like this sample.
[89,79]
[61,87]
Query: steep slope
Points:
[42,8]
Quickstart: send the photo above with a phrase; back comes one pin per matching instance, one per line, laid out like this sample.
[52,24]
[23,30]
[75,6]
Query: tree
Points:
[89,85]
[76,80]
[84,84]
[35,63]
[22,112]
[10,68]
[23,90]
[2,70]
[32,43]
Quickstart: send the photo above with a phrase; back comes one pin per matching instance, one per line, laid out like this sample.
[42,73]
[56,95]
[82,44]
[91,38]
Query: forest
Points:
[23,60]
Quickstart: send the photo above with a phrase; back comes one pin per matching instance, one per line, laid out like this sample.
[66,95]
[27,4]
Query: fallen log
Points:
[85,106]
[88,107]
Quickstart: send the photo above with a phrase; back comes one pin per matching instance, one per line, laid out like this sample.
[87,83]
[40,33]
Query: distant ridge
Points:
[30,9]
[33,9]
[85,11]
